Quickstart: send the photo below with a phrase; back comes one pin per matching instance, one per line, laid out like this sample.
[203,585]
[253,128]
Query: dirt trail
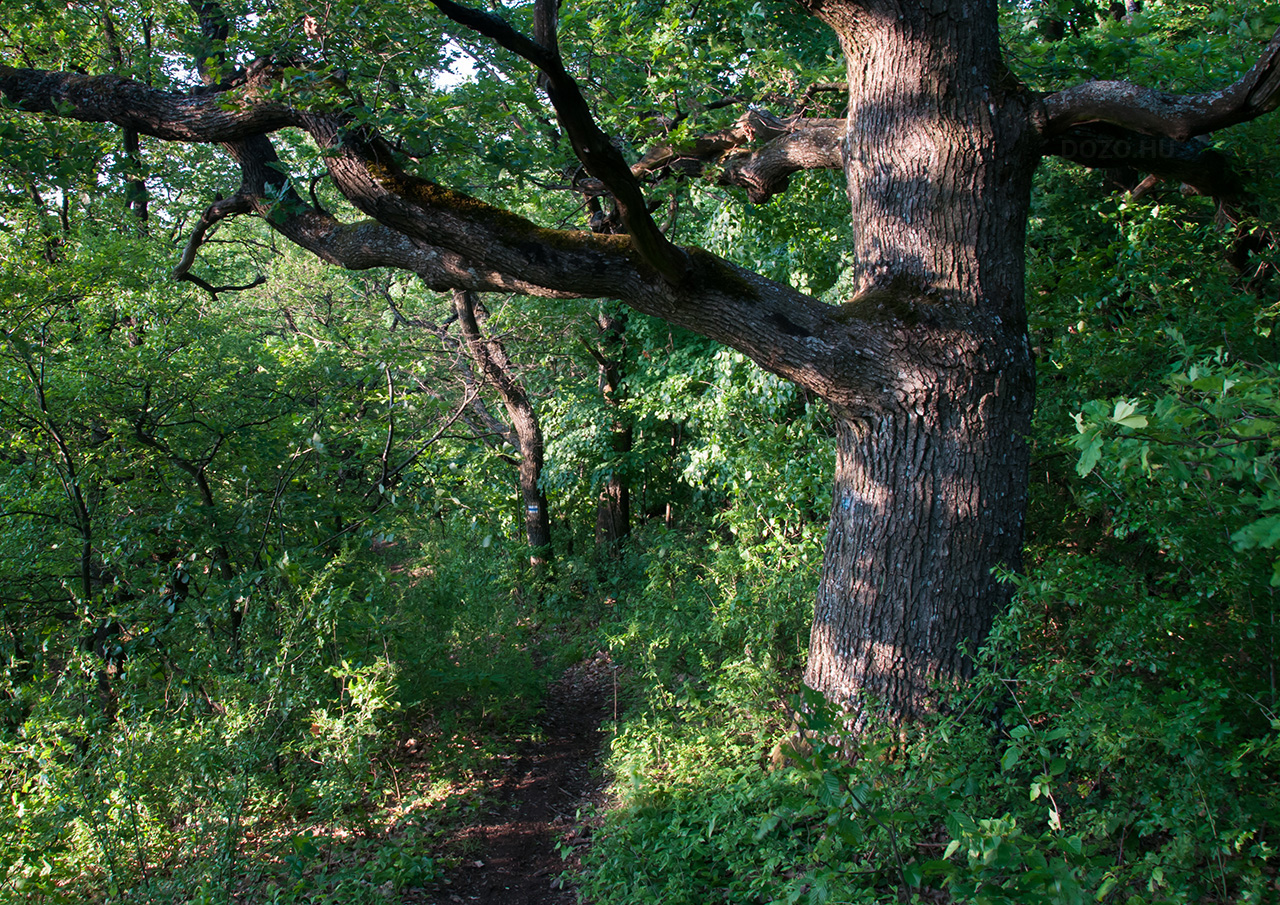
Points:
[511,856]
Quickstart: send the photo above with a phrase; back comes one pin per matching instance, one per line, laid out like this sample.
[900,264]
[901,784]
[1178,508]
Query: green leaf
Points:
[1091,452]
[1125,414]
[912,874]
[1010,758]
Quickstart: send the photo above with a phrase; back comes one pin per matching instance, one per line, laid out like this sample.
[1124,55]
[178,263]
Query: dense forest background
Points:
[269,610]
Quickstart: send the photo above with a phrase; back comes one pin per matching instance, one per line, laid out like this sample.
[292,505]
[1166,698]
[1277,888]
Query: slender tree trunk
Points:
[495,366]
[537,518]
[221,555]
[930,485]
[613,507]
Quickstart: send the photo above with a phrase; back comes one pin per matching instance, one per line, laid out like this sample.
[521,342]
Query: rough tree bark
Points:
[927,368]
[930,485]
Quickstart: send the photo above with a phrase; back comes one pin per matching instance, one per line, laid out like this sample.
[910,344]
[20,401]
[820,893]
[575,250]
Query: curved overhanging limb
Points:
[1177,116]
[354,246]
[214,214]
[455,241]
[1114,124]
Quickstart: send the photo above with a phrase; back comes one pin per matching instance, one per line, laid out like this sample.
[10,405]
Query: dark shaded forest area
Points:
[815,452]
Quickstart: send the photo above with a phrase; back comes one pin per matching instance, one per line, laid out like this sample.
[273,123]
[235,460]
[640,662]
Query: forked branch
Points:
[784,147]
[591,145]
[214,214]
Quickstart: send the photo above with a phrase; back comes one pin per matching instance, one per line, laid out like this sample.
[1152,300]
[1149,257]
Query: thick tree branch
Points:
[597,153]
[1104,146]
[546,24]
[1178,116]
[454,241]
[790,145]
[229,115]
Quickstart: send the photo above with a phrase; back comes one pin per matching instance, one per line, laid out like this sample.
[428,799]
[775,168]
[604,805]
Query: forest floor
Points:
[510,854]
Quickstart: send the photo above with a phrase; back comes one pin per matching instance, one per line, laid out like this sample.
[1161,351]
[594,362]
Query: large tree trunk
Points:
[930,484]
[928,502]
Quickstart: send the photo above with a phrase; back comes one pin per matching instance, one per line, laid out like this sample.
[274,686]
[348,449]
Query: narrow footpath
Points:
[512,856]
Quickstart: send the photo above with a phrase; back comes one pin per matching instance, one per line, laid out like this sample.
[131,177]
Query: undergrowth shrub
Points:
[1119,742]
[142,784]
[1047,786]
[473,656]
[691,796]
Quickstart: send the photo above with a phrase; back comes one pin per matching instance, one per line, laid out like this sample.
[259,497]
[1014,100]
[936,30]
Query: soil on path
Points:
[510,852]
